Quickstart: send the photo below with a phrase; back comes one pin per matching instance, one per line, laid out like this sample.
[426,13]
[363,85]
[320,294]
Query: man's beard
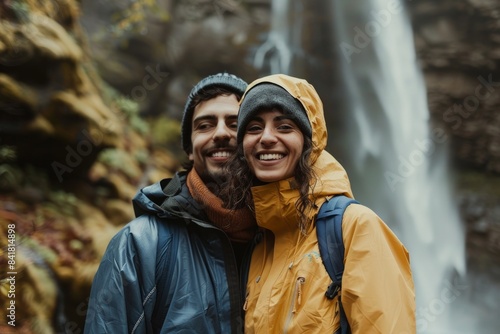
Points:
[214,181]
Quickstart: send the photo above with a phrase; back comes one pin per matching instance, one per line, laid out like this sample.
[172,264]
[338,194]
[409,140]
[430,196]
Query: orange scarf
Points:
[239,225]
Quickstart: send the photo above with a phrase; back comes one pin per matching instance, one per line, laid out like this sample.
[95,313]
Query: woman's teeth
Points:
[270,156]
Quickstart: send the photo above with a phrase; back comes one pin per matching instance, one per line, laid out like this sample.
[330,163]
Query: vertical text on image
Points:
[11,273]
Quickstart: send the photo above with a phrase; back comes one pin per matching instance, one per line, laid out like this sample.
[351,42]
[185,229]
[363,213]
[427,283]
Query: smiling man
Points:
[213,135]
[175,268]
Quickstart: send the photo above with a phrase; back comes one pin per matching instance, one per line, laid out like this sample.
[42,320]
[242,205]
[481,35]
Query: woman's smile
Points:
[272,145]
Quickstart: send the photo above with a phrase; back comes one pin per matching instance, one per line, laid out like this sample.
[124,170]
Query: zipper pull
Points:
[298,289]
[300,281]
[245,305]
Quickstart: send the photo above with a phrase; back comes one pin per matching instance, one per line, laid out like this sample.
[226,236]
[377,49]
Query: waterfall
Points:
[396,159]
[400,166]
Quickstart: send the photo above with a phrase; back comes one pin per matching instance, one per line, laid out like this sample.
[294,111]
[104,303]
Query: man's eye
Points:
[233,125]
[204,126]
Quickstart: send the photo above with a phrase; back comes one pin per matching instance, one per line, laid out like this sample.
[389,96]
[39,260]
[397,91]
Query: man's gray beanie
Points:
[267,96]
[224,80]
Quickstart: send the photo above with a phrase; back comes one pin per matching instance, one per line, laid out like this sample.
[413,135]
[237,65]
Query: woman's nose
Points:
[268,137]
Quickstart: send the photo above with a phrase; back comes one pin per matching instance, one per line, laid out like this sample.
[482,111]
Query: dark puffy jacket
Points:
[167,271]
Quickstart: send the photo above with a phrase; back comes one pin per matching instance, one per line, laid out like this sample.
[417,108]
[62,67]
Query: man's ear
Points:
[190,156]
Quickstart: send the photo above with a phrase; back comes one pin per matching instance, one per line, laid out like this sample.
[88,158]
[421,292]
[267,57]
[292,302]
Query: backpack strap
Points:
[331,247]
[167,240]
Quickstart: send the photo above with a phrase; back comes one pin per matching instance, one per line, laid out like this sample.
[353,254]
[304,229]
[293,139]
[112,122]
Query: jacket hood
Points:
[167,198]
[305,93]
[148,200]
[331,179]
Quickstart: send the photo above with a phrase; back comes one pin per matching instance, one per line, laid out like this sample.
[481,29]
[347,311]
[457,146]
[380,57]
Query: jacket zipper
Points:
[296,300]
[245,305]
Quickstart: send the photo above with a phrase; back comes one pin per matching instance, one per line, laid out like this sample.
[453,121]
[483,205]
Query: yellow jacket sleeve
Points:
[377,287]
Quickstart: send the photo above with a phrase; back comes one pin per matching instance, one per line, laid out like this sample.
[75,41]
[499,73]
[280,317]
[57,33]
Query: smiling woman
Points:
[273,145]
[282,171]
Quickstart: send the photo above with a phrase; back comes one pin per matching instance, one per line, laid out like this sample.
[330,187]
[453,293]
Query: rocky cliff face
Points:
[72,154]
[458,47]
[459,50]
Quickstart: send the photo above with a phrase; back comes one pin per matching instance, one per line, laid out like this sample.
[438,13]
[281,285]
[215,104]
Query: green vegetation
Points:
[8,153]
[63,202]
[479,182]
[165,131]
[21,10]
[119,160]
[131,109]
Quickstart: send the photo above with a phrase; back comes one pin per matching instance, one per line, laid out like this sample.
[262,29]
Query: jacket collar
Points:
[275,206]
[169,197]
[275,202]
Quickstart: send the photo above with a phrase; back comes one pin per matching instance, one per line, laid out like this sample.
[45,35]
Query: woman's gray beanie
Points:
[225,80]
[267,96]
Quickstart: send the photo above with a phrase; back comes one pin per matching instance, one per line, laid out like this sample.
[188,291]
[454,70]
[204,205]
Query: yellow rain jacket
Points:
[287,281]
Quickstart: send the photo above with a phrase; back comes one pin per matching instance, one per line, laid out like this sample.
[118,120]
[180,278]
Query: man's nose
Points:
[222,132]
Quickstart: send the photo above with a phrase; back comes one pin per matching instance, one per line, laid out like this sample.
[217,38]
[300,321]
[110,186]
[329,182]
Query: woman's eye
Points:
[285,127]
[253,128]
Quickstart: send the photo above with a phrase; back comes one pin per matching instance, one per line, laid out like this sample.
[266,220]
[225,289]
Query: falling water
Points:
[279,40]
[410,188]
[397,161]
